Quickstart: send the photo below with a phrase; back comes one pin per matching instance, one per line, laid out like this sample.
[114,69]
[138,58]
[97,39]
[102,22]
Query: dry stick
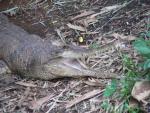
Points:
[25,84]
[53,105]
[96,63]
[61,36]
[84,97]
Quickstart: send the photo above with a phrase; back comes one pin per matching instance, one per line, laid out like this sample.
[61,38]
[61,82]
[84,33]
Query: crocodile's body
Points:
[29,55]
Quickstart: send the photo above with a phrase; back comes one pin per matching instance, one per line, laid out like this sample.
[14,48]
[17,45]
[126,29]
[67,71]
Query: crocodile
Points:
[31,56]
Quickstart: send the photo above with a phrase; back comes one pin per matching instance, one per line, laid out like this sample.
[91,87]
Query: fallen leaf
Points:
[90,33]
[141,90]
[36,104]
[86,22]
[83,97]
[24,96]
[133,103]
[11,11]
[80,28]
[83,14]
[123,37]
[107,9]
[61,36]
[110,8]
[25,84]
[94,82]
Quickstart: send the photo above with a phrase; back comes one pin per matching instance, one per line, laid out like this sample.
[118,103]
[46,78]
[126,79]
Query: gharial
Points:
[29,55]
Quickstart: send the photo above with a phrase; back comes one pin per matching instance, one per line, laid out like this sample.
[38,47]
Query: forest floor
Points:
[85,23]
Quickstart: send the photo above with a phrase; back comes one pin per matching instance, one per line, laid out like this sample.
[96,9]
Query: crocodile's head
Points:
[62,67]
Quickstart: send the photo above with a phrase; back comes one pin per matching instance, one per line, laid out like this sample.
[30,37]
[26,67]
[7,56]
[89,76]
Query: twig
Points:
[60,35]
[84,97]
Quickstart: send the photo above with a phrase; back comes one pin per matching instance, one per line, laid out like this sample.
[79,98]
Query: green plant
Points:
[131,74]
[110,89]
[106,105]
[146,33]
[123,87]
[133,110]
[143,47]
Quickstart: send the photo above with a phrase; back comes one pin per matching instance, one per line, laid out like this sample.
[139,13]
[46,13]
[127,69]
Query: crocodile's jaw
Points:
[68,68]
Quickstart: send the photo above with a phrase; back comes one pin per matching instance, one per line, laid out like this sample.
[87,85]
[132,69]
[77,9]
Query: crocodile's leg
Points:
[4,68]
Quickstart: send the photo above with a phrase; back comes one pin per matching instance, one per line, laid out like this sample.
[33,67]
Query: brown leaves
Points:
[83,97]
[123,37]
[36,104]
[94,82]
[25,84]
[141,90]
[83,14]
[75,27]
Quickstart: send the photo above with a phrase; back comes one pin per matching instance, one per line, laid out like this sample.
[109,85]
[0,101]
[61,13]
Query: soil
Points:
[47,19]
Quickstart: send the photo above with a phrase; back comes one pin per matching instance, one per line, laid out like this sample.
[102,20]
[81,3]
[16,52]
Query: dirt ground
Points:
[85,23]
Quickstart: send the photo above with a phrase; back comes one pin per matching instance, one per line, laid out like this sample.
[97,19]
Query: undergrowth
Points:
[121,89]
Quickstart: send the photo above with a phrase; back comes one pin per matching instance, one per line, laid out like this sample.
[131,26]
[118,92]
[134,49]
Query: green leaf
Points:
[148,77]
[146,64]
[142,35]
[127,62]
[105,104]
[148,34]
[148,26]
[110,89]
[142,47]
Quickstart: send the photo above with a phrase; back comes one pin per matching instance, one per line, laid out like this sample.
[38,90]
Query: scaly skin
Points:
[31,56]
